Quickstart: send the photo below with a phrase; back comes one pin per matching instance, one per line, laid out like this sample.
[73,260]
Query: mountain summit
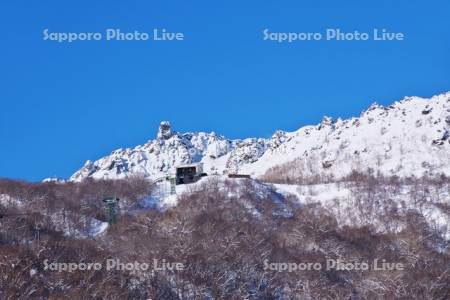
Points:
[165,131]
[409,137]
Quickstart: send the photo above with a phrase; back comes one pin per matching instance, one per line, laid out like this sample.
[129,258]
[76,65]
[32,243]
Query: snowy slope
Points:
[350,209]
[158,157]
[410,137]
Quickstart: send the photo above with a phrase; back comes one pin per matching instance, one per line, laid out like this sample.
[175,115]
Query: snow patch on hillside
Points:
[349,209]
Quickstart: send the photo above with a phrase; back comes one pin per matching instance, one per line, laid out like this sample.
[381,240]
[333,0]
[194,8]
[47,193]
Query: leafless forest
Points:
[222,231]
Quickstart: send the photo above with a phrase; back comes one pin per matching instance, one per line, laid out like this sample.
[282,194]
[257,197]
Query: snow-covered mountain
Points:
[158,157]
[409,137]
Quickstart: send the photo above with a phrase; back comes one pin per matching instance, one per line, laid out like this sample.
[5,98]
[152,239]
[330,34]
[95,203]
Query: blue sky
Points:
[62,103]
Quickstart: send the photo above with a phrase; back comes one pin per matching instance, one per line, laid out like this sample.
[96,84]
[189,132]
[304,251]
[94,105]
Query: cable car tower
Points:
[111,209]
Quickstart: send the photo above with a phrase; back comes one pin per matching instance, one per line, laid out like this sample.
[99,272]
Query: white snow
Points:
[407,138]
[410,137]
[98,227]
[345,206]
[8,201]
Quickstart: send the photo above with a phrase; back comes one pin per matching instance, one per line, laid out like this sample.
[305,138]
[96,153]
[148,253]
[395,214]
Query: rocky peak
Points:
[327,120]
[165,130]
[402,136]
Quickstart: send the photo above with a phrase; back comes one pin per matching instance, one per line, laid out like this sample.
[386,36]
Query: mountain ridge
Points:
[408,137]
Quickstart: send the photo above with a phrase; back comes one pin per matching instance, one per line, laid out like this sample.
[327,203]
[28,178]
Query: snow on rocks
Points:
[396,140]
[165,131]
[409,137]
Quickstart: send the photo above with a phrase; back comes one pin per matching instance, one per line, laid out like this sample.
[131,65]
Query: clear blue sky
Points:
[62,104]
